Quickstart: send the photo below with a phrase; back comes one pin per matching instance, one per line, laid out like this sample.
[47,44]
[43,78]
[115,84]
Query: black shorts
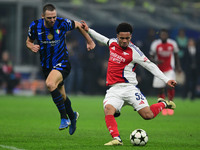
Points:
[63,70]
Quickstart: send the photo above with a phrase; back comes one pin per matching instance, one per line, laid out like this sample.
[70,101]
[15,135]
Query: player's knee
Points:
[109,110]
[147,116]
[50,85]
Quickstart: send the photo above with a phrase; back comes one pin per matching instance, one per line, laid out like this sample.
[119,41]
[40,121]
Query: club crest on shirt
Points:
[50,36]
[125,53]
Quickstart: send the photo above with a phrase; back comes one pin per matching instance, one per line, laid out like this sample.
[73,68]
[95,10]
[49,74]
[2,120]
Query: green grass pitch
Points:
[31,123]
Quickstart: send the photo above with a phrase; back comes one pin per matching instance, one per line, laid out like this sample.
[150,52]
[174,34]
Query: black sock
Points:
[59,101]
[69,109]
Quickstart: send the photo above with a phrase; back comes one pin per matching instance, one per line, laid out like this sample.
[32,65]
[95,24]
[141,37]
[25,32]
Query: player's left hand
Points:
[84,25]
[90,45]
[171,83]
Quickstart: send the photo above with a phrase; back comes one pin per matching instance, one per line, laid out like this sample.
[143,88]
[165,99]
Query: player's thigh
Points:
[137,99]
[54,77]
[113,98]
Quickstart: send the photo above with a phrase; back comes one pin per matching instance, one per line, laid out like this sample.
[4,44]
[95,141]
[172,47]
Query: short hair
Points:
[164,30]
[49,7]
[124,27]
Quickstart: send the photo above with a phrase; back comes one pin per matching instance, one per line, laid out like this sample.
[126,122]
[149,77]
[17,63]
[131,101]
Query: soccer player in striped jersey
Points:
[164,52]
[50,34]
[124,56]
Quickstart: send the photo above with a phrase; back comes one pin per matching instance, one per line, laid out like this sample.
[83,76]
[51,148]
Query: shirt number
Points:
[139,96]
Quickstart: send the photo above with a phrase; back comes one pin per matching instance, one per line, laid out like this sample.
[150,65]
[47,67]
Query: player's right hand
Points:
[35,48]
[171,83]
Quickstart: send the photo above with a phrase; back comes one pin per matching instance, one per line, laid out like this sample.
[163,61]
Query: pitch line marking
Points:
[10,147]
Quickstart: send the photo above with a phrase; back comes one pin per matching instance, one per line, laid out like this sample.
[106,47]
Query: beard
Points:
[49,24]
[123,47]
[164,41]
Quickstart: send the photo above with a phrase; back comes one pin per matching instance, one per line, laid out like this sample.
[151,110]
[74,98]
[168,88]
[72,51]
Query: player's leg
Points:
[111,124]
[159,85]
[152,111]
[140,104]
[161,92]
[52,81]
[170,91]
[67,102]
[73,116]
[170,94]
[112,104]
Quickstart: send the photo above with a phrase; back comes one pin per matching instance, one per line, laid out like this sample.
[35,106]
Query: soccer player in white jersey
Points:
[121,78]
[164,52]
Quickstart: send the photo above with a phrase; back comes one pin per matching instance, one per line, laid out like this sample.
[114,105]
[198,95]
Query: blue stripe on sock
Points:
[57,100]
[61,107]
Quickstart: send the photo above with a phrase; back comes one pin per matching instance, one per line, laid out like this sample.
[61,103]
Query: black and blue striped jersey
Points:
[53,49]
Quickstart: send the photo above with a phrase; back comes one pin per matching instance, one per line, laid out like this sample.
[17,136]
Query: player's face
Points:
[163,36]
[50,18]
[124,39]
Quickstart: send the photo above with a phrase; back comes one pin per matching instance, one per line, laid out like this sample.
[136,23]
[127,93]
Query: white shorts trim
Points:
[120,95]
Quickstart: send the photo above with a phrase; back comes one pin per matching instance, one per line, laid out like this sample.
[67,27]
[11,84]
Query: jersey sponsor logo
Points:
[53,43]
[164,53]
[116,58]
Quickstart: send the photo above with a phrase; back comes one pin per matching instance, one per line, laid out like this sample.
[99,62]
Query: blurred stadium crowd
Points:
[89,68]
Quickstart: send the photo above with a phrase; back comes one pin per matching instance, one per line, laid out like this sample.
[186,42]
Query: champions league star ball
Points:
[139,137]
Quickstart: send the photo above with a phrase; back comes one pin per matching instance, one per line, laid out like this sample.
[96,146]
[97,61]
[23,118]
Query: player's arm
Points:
[30,45]
[90,43]
[151,67]
[142,60]
[152,58]
[97,36]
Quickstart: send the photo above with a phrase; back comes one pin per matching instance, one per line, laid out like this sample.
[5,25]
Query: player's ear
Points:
[42,16]
[118,36]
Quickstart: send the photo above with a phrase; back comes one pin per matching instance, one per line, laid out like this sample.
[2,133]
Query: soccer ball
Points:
[139,137]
